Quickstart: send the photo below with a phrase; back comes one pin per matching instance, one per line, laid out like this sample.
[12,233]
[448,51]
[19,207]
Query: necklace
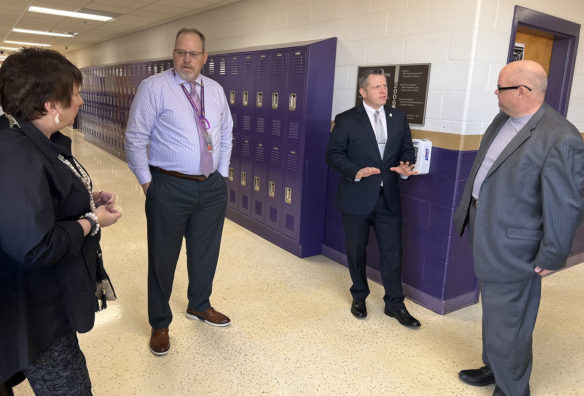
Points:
[81,175]
[12,121]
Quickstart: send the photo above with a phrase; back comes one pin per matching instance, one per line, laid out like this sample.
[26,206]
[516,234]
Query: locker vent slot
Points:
[278,64]
[234,116]
[234,67]
[258,208]
[259,153]
[244,202]
[263,65]
[260,124]
[246,122]
[248,66]
[290,222]
[297,64]
[294,130]
[222,67]
[245,149]
[292,163]
[276,127]
[275,157]
[273,215]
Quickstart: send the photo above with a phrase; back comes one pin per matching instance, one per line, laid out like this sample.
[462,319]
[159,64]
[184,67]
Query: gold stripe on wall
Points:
[449,141]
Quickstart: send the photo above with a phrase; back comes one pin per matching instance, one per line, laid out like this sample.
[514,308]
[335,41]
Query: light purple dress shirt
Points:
[162,127]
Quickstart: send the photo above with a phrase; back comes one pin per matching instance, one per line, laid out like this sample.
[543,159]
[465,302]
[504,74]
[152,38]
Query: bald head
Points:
[521,88]
[529,73]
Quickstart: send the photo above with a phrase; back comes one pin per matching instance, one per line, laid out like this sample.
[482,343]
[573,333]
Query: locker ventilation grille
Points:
[275,158]
[222,67]
[259,153]
[258,208]
[273,215]
[290,222]
[234,67]
[276,127]
[248,67]
[245,149]
[263,65]
[260,125]
[211,68]
[294,130]
[278,65]
[292,162]
[246,122]
[234,120]
[297,65]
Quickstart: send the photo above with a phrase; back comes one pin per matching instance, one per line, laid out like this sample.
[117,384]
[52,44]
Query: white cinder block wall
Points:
[466,41]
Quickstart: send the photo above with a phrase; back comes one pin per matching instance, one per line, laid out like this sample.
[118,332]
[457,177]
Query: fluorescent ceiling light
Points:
[25,43]
[44,33]
[9,49]
[71,14]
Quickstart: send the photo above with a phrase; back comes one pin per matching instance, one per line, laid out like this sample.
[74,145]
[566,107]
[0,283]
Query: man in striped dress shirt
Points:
[178,144]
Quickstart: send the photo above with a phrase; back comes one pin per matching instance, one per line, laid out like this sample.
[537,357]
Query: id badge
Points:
[209,143]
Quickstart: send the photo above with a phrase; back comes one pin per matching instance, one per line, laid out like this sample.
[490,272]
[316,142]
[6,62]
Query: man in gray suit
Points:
[522,203]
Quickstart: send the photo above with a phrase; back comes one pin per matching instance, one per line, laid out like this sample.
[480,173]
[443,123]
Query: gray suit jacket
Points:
[530,203]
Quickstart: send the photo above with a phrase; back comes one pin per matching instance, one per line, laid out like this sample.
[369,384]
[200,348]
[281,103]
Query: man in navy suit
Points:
[522,204]
[371,147]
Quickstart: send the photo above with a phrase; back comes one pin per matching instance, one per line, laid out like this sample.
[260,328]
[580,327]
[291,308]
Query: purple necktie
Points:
[206,157]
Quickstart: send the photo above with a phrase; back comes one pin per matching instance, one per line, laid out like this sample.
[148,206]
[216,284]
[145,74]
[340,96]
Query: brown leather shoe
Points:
[159,343]
[210,316]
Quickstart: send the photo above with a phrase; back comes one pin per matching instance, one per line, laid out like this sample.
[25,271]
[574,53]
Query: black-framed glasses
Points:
[500,88]
[183,53]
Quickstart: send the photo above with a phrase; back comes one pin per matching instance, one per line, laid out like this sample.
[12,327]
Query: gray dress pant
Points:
[177,208]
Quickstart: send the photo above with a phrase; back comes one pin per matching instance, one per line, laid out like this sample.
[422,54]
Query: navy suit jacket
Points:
[352,146]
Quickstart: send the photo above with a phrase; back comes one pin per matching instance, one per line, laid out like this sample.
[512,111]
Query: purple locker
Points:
[262,101]
[245,172]
[292,194]
[275,182]
[277,93]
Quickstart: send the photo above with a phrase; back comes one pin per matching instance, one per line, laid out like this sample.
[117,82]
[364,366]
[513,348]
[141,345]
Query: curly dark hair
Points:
[31,77]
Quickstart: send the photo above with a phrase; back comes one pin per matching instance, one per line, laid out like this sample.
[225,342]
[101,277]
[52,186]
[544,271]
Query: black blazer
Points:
[47,267]
[352,146]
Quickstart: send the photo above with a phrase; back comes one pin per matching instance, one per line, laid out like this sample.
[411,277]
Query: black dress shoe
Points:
[358,309]
[477,377]
[404,318]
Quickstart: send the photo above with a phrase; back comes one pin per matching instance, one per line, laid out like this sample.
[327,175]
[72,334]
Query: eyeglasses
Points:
[183,53]
[500,88]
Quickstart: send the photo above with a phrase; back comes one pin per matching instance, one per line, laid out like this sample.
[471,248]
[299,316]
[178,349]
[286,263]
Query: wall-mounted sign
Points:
[407,89]
[518,51]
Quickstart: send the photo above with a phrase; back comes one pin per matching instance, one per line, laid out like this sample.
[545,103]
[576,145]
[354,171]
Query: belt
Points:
[474,202]
[199,178]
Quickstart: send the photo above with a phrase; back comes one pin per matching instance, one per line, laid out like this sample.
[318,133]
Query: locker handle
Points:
[272,189]
[230,174]
[259,99]
[256,183]
[243,181]
[245,98]
[288,195]
[232,97]
[292,102]
[275,100]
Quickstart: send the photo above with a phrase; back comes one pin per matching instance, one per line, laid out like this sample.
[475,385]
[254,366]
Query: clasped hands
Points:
[404,169]
[105,211]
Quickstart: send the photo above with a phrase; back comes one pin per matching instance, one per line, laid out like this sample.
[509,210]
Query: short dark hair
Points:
[191,30]
[366,73]
[31,77]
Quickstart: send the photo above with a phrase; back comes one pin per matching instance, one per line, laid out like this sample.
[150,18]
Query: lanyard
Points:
[200,115]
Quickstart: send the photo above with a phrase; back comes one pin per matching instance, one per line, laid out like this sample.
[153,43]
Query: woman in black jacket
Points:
[50,220]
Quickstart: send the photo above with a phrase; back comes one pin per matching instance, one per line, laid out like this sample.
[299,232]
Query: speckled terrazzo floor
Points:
[292,332]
